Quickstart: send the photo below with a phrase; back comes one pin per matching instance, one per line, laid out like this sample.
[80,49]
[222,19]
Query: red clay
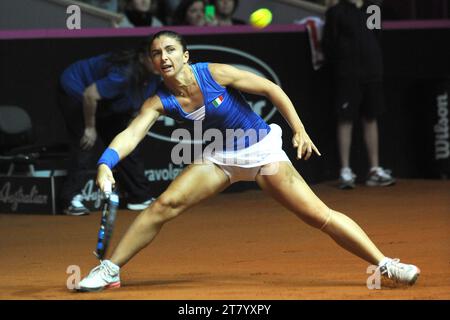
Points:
[241,246]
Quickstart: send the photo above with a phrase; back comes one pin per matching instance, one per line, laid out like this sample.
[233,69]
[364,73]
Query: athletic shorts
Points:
[354,98]
[245,164]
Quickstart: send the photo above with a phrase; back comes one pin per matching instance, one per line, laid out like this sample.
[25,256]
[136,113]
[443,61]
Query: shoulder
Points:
[153,103]
[220,70]
[221,73]
[98,62]
[214,70]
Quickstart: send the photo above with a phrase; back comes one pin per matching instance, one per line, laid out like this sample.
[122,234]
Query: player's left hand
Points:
[304,145]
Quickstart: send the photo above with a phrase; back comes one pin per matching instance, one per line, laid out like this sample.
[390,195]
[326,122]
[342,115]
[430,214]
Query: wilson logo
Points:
[441,130]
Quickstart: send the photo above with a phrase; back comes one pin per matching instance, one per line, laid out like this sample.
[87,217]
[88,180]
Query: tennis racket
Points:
[109,212]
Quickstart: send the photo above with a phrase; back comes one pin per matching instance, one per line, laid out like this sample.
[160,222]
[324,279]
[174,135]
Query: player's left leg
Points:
[282,181]
[287,186]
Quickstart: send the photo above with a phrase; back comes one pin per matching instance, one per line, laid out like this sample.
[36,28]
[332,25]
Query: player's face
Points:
[168,56]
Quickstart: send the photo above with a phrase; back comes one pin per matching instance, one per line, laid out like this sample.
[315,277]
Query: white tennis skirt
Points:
[245,164]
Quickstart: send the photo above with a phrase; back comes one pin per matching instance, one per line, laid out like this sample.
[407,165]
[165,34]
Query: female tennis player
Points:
[210,93]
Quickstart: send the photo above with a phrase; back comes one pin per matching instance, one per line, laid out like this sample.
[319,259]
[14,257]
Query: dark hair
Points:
[170,34]
[133,68]
[179,16]
[236,4]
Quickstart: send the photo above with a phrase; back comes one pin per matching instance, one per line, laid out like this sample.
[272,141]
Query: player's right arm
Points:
[126,141]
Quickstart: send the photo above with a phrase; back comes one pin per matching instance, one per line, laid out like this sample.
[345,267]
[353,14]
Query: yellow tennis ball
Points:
[261,18]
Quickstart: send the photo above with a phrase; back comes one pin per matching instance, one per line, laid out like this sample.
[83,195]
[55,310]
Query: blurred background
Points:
[26,14]
[38,41]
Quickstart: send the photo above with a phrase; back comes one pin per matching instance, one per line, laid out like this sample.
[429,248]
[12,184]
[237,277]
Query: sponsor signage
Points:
[29,194]
[440,122]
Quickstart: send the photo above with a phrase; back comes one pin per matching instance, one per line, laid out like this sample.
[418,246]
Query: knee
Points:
[168,206]
[318,217]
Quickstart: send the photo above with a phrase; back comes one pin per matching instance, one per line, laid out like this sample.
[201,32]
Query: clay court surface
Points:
[241,246]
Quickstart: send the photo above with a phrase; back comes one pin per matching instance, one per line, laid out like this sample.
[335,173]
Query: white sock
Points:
[113,266]
[384,261]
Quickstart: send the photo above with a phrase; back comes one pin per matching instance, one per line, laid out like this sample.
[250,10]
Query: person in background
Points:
[354,54]
[110,5]
[139,14]
[167,9]
[224,12]
[191,13]
[161,10]
[98,97]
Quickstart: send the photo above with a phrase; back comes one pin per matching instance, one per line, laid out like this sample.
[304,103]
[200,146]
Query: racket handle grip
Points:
[107,188]
[114,200]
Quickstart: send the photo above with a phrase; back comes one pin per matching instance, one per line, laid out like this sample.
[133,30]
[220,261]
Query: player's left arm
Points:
[249,82]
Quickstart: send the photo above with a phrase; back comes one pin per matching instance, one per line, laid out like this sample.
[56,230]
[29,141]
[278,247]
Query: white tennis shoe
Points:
[399,272]
[379,177]
[103,276]
[140,206]
[76,207]
[347,179]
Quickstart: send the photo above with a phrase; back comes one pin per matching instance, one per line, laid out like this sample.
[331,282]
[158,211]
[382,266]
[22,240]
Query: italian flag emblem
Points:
[217,101]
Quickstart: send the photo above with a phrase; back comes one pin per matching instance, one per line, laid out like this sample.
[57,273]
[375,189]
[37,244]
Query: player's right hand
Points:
[104,177]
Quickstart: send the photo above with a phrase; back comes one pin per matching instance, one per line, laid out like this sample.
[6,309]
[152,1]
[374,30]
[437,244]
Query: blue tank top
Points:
[225,109]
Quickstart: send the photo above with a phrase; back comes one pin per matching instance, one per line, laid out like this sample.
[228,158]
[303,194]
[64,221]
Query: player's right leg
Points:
[196,183]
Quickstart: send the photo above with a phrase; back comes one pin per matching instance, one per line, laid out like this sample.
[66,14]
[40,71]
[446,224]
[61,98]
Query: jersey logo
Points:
[217,101]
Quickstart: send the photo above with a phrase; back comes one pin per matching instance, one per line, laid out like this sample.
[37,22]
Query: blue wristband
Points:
[110,157]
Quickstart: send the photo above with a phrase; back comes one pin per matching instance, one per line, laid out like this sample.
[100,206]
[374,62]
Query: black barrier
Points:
[31,67]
